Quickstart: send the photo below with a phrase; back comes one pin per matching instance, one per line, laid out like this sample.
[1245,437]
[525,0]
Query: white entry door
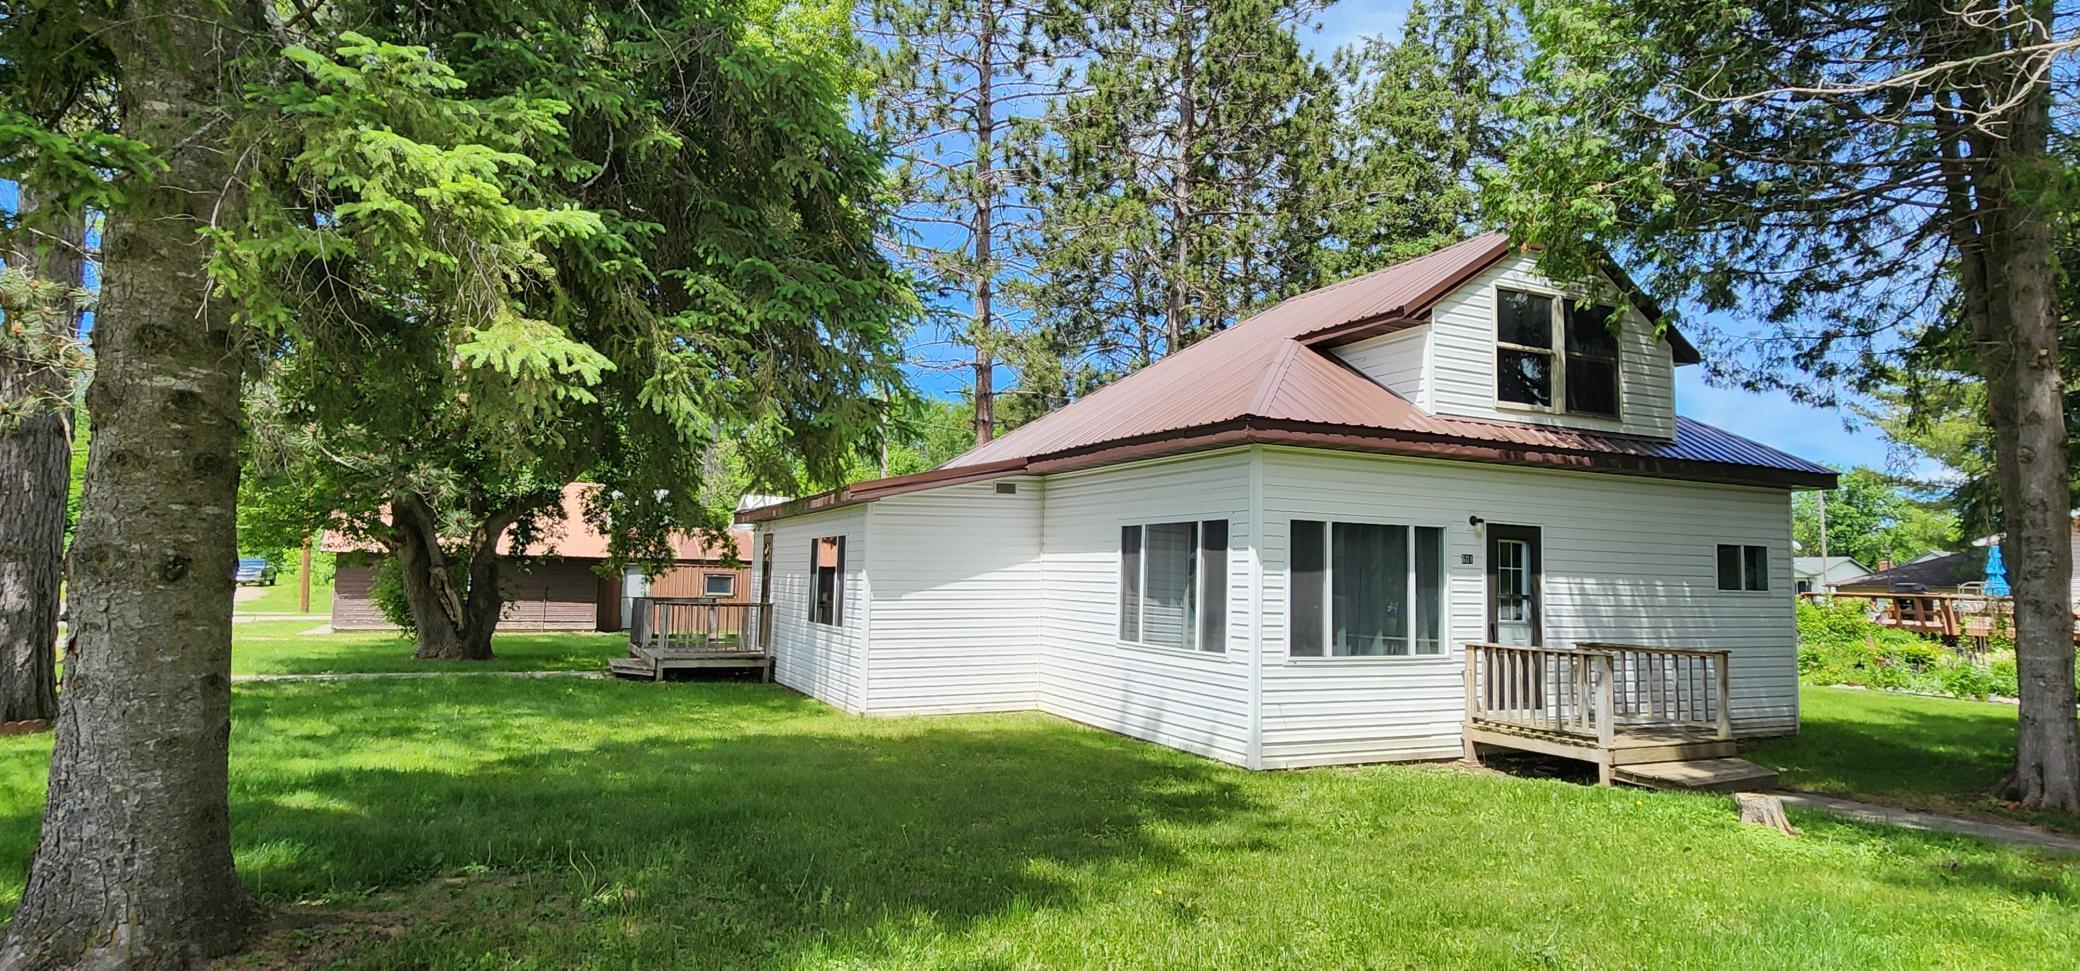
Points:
[1514,606]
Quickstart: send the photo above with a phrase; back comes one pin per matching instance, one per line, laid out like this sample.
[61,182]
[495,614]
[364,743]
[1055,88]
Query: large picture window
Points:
[1365,590]
[827,580]
[1173,584]
[1554,354]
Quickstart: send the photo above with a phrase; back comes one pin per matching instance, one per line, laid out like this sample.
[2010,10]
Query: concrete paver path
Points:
[2017,834]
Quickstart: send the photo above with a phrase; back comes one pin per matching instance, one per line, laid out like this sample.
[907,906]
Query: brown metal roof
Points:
[568,535]
[1272,379]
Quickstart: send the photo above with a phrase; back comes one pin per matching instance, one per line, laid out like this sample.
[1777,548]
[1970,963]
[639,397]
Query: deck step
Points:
[625,667]
[1702,775]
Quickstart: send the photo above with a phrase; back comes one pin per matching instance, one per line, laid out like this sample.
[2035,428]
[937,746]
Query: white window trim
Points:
[1199,582]
[1557,352]
[1444,593]
[731,577]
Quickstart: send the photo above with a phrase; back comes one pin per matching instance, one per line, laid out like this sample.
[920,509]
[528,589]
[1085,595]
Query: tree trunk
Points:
[2020,355]
[985,228]
[133,868]
[35,470]
[453,624]
[1183,223]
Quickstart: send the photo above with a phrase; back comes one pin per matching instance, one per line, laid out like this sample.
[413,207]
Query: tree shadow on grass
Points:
[771,829]
[1919,753]
[1908,749]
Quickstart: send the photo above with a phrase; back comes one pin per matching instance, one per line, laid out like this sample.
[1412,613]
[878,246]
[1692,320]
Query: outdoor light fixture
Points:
[1475,521]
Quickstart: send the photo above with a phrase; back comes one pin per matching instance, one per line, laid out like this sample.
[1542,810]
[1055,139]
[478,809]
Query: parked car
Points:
[254,570]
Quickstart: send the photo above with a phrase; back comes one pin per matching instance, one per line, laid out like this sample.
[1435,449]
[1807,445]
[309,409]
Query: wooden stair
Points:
[1700,775]
[636,666]
[649,664]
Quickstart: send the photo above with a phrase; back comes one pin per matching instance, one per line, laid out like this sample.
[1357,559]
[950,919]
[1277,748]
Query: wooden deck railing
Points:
[665,624]
[1594,689]
[1935,614]
[1671,686]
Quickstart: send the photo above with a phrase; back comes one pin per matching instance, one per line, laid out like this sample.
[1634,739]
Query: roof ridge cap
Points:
[1274,377]
[1368,274]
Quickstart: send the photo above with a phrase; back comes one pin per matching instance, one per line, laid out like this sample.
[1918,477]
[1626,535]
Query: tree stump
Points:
[1763,809]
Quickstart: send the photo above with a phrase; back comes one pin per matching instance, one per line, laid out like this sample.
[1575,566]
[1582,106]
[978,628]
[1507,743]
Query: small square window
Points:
[719,584]
[1743,567]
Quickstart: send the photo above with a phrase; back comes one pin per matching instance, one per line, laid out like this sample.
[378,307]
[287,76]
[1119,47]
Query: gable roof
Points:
[568,535]
[1930,573]
[1272,380]
[1833,569]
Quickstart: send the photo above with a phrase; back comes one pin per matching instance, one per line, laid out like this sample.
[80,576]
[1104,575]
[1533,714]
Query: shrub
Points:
[1840,644]
[2002,671]
[386,591]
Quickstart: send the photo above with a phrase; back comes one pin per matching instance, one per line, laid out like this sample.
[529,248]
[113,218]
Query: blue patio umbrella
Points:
[1996,573]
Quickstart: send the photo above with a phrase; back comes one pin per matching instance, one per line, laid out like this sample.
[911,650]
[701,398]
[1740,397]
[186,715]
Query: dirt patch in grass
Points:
[311,936]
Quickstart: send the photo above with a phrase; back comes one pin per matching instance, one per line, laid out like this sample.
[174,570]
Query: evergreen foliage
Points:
[582,243]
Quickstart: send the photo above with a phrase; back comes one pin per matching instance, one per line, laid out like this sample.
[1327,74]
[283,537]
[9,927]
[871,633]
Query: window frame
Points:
[1746,581]
[708,580]
[1202,581]
[1558,354]
[837,614]
[1328,609]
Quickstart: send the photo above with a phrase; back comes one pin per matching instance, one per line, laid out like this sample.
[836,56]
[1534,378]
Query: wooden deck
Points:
[1658,717]
[1947,617]
[686,633]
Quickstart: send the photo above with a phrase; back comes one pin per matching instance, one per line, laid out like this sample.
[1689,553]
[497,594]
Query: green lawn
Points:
[282,647]
[1940,754]
[282,597]
[490,822]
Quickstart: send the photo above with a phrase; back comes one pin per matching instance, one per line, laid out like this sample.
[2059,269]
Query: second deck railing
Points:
[668,624]
[1595,689]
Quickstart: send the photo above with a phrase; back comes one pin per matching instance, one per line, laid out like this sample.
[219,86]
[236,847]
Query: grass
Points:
[490,822]
[281,647]
[282,597]
[1938,754]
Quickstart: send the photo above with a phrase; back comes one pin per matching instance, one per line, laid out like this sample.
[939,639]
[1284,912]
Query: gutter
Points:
[1272,431]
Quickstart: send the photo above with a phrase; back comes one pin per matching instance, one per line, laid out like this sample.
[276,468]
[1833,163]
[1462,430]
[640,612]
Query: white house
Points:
[1273,547]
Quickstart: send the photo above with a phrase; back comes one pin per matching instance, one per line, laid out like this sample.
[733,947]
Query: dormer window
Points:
[1551,351]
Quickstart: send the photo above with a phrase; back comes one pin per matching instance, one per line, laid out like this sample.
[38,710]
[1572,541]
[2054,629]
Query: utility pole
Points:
[1826,580]
[303,580]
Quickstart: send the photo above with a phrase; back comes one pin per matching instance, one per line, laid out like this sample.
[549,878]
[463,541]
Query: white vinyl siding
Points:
[1400,362]
[1197,701]
[1461,373]
[1625,559]
[823,661]
[2076,559]
[956,599]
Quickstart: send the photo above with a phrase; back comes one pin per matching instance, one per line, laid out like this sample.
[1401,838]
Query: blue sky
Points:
[1813,433]
[1818,434]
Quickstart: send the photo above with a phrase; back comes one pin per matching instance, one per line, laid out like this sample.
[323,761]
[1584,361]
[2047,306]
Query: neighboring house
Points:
[1821,572]
[554,583]
[1941,573]
[1271,547]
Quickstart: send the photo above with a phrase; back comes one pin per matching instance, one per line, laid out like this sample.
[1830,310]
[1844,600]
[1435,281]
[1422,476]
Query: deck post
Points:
[1724,725]
[1472,702]
[1606,702]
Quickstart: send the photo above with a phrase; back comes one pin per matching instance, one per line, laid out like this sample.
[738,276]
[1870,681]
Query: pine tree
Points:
[953,81]
[627,259]
[1833,172]
[133,867]
[1418,120]
[42,297]
[1167,178]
